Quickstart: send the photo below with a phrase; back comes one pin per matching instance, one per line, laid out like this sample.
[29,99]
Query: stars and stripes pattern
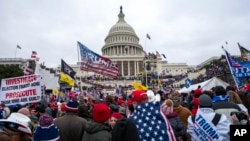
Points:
[33,54]
[91,61]
[151,123]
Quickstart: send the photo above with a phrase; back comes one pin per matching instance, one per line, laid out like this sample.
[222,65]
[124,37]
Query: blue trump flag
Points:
[238,69]
[151,123]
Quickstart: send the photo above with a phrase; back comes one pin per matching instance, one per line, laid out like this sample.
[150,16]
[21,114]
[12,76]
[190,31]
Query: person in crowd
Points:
[221,102]
[122,111]
[97,130]
[195,102]
[235,98]
[181,111]
[33,123]
[83,111]
[44,105]
[149,118]
[2,113]
[217,125]
[15,128]
[190,99]
[113,119]
[71,126]
[175,121]
[125,130]
[6,110]
[46,130]
[53,105]
[245,97]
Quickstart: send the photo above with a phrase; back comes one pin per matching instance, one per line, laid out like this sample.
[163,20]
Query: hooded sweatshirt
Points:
[125,130]
[96,132]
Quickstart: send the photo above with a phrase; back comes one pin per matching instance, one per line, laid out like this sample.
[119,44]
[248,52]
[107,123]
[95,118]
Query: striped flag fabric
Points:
[91,61]
[151,123]
[29,68]
[33,54]
[245,53]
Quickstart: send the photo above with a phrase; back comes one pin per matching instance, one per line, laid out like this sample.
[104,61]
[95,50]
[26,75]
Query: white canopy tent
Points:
[206,85]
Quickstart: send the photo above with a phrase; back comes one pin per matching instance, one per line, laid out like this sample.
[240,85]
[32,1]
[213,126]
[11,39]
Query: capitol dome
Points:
[122,46]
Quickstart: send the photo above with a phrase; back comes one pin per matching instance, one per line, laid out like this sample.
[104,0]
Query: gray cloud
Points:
[186,31]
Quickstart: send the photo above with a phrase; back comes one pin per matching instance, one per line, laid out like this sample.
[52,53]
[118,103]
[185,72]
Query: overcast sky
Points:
[186,31]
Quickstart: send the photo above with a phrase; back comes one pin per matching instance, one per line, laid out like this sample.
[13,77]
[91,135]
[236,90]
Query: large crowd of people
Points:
[142,115]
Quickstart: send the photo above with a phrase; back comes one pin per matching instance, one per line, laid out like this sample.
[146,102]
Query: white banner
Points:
[21,90]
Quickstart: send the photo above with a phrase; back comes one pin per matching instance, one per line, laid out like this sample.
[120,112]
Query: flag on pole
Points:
[188,83]
[67,79]
[236,69]
[33,54]
[91,61]
[19,47]
[158,54]
[164,56]
[148,36]
[67,69]
[245,53]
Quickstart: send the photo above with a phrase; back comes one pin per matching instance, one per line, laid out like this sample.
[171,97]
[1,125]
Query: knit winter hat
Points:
[46,130]
[205,100]
[72,106]
[139,96]
[116,115]
[101,112]
[167,107]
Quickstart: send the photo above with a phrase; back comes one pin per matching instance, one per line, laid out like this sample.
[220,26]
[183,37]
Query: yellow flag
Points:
[65,78]
[138,86]
[55,91]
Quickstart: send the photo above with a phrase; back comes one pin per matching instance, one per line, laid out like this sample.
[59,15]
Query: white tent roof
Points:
[206,85]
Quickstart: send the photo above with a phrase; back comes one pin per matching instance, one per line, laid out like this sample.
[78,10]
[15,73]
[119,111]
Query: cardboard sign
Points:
[21,90]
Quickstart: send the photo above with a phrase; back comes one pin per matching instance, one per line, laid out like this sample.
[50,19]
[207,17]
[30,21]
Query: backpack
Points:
[215,120]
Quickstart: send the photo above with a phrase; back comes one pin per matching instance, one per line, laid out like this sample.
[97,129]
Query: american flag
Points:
[158,54]
[151,123]
[91,61]
[33,54]
[29,68]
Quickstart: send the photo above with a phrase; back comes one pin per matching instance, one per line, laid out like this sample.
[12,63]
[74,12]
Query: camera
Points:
[242,117]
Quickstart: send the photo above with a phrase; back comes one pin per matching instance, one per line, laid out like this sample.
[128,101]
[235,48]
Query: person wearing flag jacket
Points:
[148,117]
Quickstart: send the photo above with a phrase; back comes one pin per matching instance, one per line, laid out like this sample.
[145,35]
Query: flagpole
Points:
[15,51]
[230,68]
[79,67]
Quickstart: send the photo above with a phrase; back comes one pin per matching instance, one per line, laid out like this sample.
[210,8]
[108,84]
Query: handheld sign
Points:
[20,90]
